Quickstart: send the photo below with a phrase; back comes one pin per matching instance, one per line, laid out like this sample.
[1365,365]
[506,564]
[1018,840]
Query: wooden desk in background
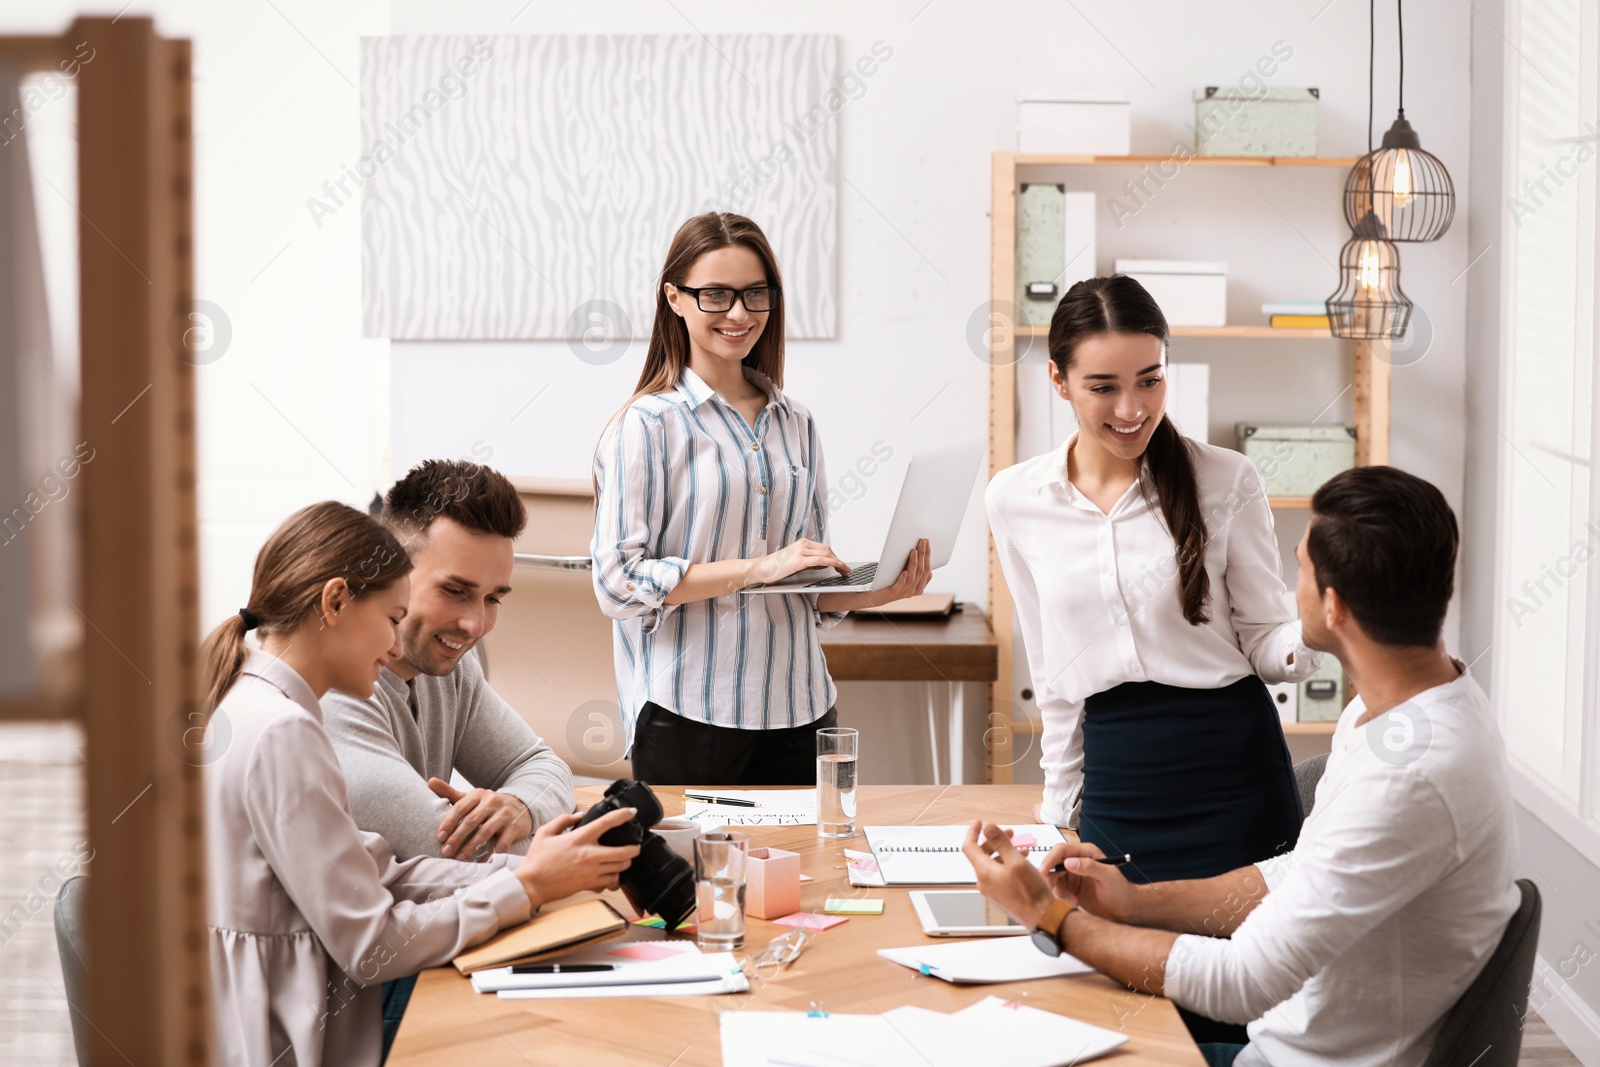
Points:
[448,1025]
[953,650]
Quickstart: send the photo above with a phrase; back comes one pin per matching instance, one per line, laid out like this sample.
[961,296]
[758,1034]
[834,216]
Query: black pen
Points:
[558,968]
[1109,861]
[735,801]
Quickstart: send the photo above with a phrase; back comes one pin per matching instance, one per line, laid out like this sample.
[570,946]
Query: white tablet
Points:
[961,913]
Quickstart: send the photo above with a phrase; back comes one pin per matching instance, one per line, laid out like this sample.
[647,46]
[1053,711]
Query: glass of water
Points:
[836,782]
[719,881]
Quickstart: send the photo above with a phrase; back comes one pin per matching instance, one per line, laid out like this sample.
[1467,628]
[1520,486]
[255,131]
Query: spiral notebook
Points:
[931,855]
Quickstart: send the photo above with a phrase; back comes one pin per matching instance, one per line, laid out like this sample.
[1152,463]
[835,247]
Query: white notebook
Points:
[931,855]
[991,959]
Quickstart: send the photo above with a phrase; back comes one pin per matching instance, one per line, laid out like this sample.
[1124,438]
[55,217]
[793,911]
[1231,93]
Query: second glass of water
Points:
[719,883]
[836,782]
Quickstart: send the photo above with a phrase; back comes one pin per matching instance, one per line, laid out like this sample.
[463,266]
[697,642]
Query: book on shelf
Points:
[1294,307]
[1299,322]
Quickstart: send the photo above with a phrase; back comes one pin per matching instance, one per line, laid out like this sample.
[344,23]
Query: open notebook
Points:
[931,855]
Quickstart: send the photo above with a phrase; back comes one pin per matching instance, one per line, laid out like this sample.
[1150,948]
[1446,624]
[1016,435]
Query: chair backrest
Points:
[1485,1026]
[72,904]
[1307,773]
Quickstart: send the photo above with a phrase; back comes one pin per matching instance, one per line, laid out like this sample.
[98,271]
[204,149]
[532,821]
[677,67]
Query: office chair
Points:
[1485,1026]
[1307,773]
[71,918]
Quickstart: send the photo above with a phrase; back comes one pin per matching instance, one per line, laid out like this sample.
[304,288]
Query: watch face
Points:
[1045,943]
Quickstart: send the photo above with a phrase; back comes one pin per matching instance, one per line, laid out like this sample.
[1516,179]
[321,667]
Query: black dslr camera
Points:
[659,880]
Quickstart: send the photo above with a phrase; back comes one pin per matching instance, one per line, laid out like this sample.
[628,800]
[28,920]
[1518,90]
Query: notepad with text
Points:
[931,855]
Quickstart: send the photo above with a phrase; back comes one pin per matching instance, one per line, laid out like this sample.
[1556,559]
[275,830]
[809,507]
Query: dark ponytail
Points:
[1119,304]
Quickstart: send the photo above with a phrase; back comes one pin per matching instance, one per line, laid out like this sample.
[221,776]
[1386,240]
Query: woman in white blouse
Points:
[708,481]
[308,914]
[1148,585]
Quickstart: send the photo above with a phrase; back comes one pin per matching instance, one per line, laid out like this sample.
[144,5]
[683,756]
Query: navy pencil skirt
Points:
[1192,782]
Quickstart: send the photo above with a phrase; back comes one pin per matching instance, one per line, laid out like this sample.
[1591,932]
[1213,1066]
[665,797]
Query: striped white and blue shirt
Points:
[684,479]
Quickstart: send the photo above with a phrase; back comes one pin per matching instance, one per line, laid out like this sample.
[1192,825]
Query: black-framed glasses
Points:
[757,298]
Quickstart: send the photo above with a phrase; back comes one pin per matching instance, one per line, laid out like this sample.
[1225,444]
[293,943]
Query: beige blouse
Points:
[309,915]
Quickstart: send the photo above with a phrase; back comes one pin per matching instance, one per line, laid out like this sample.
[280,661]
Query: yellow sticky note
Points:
[852,906]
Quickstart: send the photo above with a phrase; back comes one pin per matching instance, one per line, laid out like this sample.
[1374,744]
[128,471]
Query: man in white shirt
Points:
[432,711]
[1350,949]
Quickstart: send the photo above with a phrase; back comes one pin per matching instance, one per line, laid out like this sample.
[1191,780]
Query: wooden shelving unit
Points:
[1277,333]
[1370,388]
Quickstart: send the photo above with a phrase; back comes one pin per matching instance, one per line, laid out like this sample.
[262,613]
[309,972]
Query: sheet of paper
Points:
[990,959]
[731,980]
[639,959]
[777,807]
[991,1031]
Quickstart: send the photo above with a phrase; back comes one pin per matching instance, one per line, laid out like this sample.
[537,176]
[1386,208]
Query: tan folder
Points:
[543,935]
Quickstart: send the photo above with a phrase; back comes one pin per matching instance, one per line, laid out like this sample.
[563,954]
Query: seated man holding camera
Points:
[432,711]
[1350,949]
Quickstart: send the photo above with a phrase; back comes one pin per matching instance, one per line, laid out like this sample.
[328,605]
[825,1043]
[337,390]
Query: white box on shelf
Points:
[1076,125]
[1079,238]
[1189,398]
[1190,292]
[1286,698]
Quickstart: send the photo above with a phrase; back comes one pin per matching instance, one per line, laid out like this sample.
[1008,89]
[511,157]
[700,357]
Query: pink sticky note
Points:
[648,951]
[810,920]
[1023,841]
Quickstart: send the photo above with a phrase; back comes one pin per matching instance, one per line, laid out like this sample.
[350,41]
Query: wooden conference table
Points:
[448,1025]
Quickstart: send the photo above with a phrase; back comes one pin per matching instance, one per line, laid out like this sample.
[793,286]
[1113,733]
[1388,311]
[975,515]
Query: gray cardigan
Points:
[392,743]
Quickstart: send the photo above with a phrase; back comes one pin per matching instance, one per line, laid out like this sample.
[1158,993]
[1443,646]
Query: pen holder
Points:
[772,883]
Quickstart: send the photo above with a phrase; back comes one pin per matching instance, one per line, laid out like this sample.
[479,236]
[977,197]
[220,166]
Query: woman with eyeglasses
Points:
[708,481]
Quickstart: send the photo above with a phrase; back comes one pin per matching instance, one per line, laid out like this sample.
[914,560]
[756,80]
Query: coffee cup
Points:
[679,834]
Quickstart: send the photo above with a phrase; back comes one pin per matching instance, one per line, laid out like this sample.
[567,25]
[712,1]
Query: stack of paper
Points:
[991,1031]
[642,968]
[774,807]
[991,959]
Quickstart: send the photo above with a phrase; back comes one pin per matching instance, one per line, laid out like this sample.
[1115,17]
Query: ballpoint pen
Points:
[735,801]
[1109,861]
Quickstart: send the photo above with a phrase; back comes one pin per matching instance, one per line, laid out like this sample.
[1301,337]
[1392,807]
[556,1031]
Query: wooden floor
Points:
[41,821]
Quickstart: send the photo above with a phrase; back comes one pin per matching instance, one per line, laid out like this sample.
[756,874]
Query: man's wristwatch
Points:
[1047,935]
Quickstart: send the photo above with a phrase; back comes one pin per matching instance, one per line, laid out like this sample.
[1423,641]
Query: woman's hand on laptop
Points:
[802,555]
[913,579]
[911,582]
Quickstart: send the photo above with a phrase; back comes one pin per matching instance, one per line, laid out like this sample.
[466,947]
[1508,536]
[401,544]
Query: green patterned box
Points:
[1273,122]
[1296,460]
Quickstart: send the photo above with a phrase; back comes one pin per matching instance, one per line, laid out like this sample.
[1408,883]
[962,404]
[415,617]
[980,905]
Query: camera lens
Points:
[658,879]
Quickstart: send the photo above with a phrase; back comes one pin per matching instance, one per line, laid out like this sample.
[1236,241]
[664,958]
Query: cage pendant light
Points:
[1407,188]
[1369,303]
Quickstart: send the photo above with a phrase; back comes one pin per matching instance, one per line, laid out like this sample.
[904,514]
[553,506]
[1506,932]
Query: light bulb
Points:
[1371,265]
[1402,178]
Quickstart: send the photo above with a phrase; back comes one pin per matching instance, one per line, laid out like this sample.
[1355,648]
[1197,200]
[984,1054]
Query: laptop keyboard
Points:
[862,575]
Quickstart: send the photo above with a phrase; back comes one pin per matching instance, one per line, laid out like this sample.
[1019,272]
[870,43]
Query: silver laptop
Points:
[933,500]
